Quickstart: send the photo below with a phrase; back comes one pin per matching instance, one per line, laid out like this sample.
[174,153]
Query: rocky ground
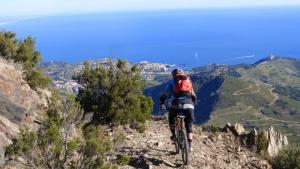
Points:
[153,149]
[19,105]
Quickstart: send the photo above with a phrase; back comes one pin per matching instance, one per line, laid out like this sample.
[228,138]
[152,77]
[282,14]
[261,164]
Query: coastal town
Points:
[62,73]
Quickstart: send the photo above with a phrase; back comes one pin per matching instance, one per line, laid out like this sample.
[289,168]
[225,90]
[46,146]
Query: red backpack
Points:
[183,85]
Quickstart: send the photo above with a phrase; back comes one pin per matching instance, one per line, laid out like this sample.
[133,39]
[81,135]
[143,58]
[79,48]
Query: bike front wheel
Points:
[177,142]
[184,148]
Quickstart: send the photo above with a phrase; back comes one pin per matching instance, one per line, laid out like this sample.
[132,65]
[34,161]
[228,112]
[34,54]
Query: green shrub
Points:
[262,142]
[8,45]
[73,144]
[210,128]
[26,141]
[123,159]
[96,143]
[10,151]
[287,158]
[36,78]
[51,146]
[23,144]
[113,94]
[95,147]
[24,53]
[140,127]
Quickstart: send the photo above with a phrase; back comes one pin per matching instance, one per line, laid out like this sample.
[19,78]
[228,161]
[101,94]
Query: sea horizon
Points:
[192,37]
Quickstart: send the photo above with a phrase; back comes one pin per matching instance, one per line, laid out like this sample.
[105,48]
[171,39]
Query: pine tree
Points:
[113,94]
[24,52]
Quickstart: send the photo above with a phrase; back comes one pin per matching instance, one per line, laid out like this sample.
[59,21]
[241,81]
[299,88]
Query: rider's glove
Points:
[162,99]
[194,99]
[162,107]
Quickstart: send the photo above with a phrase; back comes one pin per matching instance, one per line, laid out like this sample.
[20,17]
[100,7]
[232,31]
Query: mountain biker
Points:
[183,102]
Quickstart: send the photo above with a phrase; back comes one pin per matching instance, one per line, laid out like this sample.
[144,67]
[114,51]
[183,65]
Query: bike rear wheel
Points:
[184,148]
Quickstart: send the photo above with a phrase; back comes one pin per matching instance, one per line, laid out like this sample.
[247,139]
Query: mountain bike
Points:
[181,143]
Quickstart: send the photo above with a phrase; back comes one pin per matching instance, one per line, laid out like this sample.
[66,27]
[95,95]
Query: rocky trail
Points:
[153,149]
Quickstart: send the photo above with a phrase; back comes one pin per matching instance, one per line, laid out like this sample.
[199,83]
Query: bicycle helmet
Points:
[176,71]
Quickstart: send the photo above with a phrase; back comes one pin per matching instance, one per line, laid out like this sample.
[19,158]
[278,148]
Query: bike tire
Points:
[177,142]
[184,148]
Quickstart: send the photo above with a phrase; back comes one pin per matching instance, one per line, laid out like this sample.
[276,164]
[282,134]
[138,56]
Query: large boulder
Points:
[19,104]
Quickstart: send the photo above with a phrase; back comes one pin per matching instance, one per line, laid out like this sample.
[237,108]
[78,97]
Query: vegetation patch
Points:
[210,128]
[262,142]
[113,94]
[290,91]
[288,158]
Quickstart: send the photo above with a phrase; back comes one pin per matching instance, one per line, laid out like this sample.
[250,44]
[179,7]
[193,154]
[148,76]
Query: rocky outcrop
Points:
[276,140]
[237,129]
[19,104]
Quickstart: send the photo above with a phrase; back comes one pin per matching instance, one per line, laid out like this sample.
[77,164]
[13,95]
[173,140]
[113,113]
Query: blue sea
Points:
[182,37]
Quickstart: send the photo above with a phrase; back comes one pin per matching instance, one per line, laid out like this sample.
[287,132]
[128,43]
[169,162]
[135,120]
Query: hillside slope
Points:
[153,149]
[265,94]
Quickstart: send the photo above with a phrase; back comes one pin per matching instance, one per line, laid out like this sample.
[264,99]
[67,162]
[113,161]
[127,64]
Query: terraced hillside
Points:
[259,97]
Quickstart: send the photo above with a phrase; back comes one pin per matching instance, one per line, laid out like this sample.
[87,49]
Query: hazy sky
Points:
[34,7]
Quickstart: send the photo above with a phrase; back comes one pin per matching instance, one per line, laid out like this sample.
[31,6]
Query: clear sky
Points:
[52,7]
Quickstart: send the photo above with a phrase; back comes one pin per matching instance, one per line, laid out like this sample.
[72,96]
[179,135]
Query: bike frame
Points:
[179,122]
[181,138]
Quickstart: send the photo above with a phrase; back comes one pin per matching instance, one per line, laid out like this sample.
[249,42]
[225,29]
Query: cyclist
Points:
[183,99]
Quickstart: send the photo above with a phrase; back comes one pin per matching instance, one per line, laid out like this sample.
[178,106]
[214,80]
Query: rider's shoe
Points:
[190,149]
[173,138]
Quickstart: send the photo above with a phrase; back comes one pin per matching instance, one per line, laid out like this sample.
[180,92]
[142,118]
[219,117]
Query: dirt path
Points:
[274,95]
[264,117]
[153,149]
[238,112]
[240,92]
